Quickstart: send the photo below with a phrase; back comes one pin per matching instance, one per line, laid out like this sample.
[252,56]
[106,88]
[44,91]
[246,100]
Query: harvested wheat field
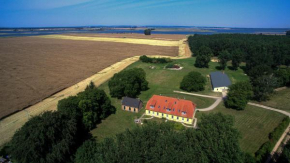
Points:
[172,37]
[118,40]
[34,68]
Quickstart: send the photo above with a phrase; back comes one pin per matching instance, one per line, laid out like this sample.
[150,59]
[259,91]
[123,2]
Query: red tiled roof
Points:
[176,106]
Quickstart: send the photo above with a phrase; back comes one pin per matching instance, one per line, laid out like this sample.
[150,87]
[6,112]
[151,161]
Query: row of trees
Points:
[146,59]
[161,143]
[55,136]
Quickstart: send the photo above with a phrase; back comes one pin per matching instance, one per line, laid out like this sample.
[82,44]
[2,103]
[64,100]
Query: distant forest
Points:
[264,58]
[268,50]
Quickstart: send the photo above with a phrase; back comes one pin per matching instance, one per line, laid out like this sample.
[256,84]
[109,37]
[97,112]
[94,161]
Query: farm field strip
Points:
[120,40]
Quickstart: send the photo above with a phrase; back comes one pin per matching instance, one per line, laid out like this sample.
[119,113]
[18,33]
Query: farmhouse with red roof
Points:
[174,109]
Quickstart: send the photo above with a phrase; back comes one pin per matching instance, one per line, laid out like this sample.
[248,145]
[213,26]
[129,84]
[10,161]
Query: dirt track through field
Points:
[120,40]
[10,124]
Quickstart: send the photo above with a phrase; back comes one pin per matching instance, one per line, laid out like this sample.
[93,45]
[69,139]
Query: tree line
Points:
[214,141]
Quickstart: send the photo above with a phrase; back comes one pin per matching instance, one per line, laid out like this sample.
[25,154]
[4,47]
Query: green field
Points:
[254,123]
[279,100]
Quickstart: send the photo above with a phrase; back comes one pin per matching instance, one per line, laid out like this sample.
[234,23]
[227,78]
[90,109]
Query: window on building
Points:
[129,108]
[168,109]
[151,106]
[167,115]
[177,117]
[173,109]
[162,114]
[175,102]
[124,107]
[183,112]
[172,116]
[183,119]
[157,113]
[149,111]
[134,109]
[187,119]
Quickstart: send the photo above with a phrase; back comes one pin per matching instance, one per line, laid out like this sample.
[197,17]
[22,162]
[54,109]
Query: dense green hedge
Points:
[264,151]
[146,59]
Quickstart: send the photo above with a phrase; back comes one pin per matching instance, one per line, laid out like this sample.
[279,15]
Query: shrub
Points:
[147,31]
[193,81]
[171,65]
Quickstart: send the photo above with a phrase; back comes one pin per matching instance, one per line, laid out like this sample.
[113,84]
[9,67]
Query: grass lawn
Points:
[253,123]
[279,100]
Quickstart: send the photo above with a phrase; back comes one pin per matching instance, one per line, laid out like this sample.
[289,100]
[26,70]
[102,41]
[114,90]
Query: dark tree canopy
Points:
[86,152]
[238,96]
[203,56]
[283,76]
[48,138]
[88,107]
[128,83]
[146,59]
[263,87]
[147,32]
[155,142]
[237,57]
[287,33]
[224,57]
[193,81]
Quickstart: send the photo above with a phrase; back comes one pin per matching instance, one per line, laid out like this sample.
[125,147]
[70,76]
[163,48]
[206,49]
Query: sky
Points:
[213,13]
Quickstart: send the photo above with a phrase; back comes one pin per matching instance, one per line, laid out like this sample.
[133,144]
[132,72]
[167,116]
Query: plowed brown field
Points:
[32,68]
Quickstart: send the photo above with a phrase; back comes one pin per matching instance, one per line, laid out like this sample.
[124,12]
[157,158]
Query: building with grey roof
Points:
[131,104]
[219,81]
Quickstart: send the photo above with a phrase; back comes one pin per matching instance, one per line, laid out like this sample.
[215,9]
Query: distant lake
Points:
[175,30]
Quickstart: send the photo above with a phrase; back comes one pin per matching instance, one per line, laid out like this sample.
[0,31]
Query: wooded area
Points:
[267,58]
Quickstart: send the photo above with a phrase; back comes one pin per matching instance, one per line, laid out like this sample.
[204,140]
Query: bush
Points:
[265,150]
[128,83]
[146,59]
[193,81]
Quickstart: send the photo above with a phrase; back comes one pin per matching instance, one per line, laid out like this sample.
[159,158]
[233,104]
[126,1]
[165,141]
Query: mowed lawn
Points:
[253,123]
[279,100]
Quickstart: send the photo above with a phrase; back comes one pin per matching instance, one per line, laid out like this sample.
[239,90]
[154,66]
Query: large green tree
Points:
[88,107]
[193,81]
[264,86]
[238,96]
[224,57]
[48,138]
[237,57]
[203,57]
[283,75]
[128,83]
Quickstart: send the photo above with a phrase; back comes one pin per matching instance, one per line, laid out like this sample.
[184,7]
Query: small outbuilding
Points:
[219,81]
[131,104]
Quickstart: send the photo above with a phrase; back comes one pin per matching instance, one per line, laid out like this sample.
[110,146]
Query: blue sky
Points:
[222,13]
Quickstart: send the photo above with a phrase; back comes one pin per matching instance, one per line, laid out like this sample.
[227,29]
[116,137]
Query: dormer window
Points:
[183,112]
[159,106]
[173,109]
[175,102]
[165,100]
[168,109]
[151,106]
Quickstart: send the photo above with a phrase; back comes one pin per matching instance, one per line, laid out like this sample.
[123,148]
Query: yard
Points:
[253,123]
